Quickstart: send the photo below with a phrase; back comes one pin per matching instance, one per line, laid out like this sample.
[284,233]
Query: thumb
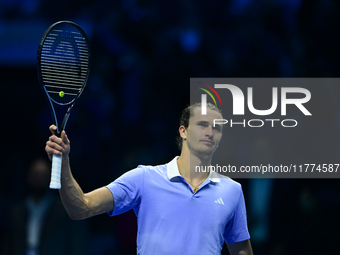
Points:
[64,138]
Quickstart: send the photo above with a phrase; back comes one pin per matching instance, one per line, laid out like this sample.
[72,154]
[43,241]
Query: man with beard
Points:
[180,210]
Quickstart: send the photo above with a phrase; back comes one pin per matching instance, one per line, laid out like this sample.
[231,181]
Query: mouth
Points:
[207,142]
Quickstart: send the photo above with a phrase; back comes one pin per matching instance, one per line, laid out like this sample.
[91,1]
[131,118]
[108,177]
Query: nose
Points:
[209,131]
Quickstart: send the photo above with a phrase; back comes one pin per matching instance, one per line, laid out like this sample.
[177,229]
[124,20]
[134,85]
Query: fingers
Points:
[50,150]
[56,145]
[64,138]
[53,129]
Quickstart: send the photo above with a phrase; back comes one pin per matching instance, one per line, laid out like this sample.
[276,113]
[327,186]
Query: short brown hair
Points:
[189,112]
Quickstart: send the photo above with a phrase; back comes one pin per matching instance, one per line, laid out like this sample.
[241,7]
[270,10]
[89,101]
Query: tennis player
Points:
[180,210]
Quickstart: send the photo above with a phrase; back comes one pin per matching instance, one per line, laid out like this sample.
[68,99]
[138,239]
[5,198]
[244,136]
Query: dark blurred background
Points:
[144,53]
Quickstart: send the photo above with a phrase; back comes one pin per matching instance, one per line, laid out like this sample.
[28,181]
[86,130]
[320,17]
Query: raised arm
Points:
[78,204]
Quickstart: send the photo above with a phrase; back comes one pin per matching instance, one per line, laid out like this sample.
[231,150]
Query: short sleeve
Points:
[126,191]
[237,229]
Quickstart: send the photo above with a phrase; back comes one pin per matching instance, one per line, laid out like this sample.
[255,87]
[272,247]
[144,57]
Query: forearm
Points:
[72,195]
[77,204]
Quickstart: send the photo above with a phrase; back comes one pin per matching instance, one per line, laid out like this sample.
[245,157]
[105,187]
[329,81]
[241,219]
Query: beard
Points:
[205,152]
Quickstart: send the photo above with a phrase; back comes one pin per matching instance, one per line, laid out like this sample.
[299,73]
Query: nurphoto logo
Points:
[239,104]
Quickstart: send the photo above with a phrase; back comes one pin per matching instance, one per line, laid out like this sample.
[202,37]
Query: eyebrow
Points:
[202,122]
[207,122]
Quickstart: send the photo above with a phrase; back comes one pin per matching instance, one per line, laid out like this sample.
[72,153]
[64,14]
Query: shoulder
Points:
[229,184]
[152,170]
[142,170]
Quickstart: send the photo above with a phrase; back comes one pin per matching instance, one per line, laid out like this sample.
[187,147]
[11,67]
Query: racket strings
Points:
[64,64]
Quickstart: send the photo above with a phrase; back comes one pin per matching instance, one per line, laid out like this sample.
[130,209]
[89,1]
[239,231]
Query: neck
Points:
[189,165]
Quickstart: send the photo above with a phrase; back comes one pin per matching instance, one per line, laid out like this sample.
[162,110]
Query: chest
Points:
[175,203]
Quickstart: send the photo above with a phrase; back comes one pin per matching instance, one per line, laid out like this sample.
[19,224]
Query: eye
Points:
[217,127]
[202,124]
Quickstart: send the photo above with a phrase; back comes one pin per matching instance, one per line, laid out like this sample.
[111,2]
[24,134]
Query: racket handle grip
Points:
[56,172]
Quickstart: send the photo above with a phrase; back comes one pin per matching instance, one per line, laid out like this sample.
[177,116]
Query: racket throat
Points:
[67,115]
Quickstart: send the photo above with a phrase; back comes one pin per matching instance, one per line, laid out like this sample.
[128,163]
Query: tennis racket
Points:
[63,64]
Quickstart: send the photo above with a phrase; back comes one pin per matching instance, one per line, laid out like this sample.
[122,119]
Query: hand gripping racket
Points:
[63,64]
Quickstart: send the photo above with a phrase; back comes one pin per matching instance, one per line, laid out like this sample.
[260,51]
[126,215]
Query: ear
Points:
[183,132]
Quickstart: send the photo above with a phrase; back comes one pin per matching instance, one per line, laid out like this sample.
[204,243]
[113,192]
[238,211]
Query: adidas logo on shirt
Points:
[219,201]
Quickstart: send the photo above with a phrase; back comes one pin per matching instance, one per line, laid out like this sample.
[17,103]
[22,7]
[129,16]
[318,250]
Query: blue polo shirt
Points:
[172,220]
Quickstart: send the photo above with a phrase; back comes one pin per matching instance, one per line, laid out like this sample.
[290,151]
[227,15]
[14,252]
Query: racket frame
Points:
[40,78]
[57,160]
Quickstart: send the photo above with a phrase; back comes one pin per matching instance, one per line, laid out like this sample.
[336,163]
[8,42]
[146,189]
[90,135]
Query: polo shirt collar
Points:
[172,171]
